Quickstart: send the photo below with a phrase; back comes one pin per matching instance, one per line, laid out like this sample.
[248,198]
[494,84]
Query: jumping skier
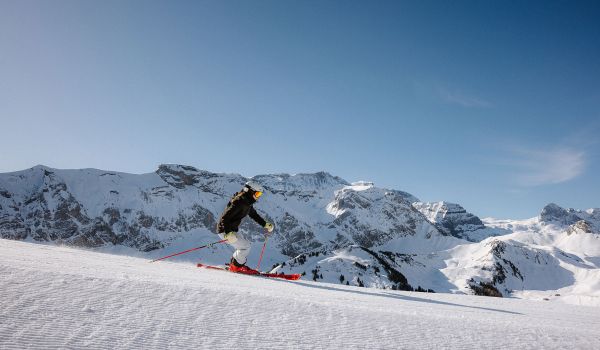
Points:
[238,207]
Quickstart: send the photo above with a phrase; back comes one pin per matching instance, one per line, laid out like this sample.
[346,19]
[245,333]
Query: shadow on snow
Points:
[397,296]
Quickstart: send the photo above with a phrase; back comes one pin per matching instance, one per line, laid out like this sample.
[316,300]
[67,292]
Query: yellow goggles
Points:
[257,194]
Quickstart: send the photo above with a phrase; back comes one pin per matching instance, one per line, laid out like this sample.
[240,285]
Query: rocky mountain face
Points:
[553,214]
[451,219]
[588,221]
[92,208]
[327,228]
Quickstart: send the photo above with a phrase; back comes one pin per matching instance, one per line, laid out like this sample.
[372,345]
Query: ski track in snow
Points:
[63,298]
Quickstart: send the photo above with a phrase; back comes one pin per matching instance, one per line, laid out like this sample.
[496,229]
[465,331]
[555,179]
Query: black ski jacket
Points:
[238,207]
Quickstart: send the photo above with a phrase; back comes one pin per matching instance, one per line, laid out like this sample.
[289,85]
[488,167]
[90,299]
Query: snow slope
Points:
[58,298]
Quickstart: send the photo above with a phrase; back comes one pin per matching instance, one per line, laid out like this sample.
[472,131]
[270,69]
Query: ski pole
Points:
[261,253]
[189,250]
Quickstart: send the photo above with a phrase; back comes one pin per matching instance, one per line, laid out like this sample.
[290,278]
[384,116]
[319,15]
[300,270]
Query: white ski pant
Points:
[242,247]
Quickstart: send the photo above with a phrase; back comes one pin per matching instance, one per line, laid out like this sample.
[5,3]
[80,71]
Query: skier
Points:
[238,207]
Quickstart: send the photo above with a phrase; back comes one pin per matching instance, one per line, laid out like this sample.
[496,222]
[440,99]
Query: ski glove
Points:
[269,227]
[231,237]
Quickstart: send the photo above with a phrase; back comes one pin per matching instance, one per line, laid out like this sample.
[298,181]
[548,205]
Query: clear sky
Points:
[491,104]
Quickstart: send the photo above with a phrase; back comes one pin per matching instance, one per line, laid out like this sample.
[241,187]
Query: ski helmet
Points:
[251,185]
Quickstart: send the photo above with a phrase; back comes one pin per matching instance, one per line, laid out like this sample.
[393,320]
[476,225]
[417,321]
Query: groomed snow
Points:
[60,298]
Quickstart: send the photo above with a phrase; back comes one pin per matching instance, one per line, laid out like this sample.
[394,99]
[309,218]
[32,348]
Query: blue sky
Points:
[493,105]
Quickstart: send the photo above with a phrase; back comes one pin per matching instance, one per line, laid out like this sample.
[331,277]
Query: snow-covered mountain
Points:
[452,219]
[327,228]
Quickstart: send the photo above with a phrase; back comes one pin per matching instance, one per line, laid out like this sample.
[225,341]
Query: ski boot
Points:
[234,266]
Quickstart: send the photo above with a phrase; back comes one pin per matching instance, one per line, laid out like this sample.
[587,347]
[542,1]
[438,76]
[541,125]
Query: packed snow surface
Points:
[60,298]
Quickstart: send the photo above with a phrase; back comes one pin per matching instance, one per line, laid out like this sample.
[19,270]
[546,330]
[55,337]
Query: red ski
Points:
[292,277]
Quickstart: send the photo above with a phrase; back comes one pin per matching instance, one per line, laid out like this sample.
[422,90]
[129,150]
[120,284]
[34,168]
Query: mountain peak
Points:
[40,166]
[450,218]
[301,182]
[553,213]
